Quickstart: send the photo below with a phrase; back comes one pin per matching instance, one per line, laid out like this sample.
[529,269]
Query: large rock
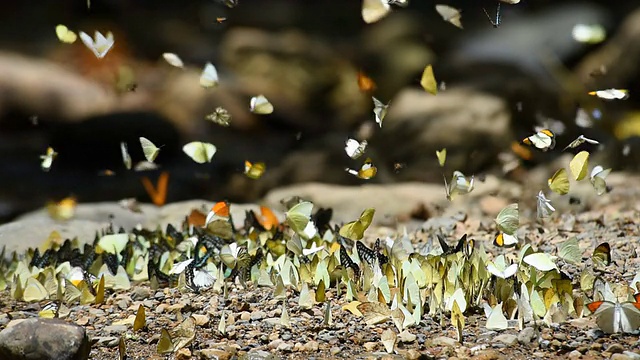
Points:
[43,339]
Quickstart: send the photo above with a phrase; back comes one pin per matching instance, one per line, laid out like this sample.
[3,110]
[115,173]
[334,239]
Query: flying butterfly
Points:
[544,140]
[355,149]
[158,195]
[597,178]
[450,14]
[99,45]
[428,80]
[559,182]
[149,149]
[495,23]
[458,186]
[260,105]
[220,116]
[544,207]
[379,110]
[47,159]
[374,10]
[65,35]
[366,172]
[447,249]
[611,94]
[254,170]
[579,141]
[173,60]
[209,76]
[200,152]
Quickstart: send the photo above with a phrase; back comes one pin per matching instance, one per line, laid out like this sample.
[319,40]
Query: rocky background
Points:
[304,56]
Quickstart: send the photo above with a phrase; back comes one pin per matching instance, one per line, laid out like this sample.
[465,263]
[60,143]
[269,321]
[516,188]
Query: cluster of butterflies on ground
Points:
[393,280]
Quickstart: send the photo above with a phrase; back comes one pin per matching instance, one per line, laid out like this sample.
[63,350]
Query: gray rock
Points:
[631,355]
[258,355]
[140,293]
[507,339]
[526,335]
[44,339]
[258,315]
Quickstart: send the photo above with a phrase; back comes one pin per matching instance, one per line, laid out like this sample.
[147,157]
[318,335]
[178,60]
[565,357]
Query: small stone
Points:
[44,339]
[115,329]
[311,346]
[258,315]
[335,350]
[489,354]
[159,295]
[183,354]
[575,354]
[105,341]
[615,348]
[82,321]
[214,354]
[596,347]
[631,355]
[245,316]
[275,344]
[161,308]
[412,354]
[406,337]
[619,356]
[140,293]
[274,336]
[507,339]
[444,341]
[285,347]
[560,336]
[122,304]
[526,335]
[370,346]
[201,319]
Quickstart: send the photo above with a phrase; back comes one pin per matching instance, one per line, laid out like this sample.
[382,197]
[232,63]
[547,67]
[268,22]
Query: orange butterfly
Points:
[267,218]
[365,83]
[219,209]
[196,218]
[158,196]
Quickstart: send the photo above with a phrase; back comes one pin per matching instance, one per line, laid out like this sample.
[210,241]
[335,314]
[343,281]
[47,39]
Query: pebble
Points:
[444,341]
[406,337]
[286,337]
[285,346]
[615,348]
[489,354]
[619,356]
[507,339]
[631,355]
[214,354]
[335,350]
[106,341]
[370,346]
[311,346]
[575,354]
[39,338]
[560,336]
[140,293]
[201,319]
[245,316]
[115,328]
[258,315]
[526,335]
[183,354]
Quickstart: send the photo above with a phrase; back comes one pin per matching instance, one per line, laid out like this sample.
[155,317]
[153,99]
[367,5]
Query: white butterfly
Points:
[379,110]
[173,59]
[545,209]
[100,45]
[354,148]
[209,76]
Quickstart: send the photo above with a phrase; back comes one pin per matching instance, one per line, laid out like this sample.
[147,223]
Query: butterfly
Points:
[616,317]
[544,209]
[544,140]
[149,149]
[367,171]
[99,45]
[220,116]
[450,14]
[173,59]
[260,105]
[47,159]
[65,35]
[347,262]
[379,111]
[158,195]
[355,149]
[559,182]
[611,94]
[209,76]
[448,250]
[365,83]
